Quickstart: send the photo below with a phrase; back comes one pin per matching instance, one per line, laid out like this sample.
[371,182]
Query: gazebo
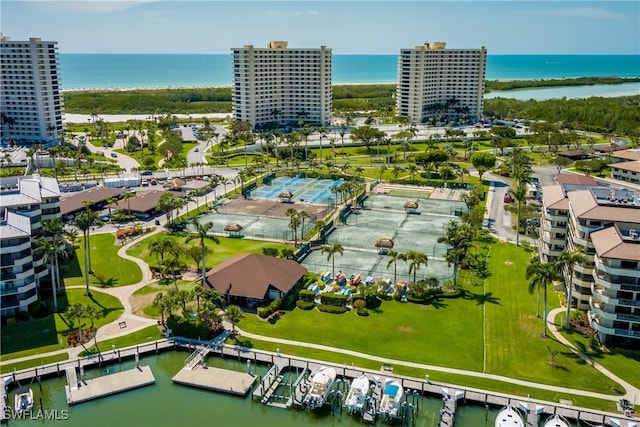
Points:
[410,206]
[233,229]
[175,184]
[285,196]
[384,244]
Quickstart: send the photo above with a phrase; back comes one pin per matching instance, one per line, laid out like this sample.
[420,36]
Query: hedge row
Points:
[268,310]
[334,299]
[332,309]
[305,305]
[306,296]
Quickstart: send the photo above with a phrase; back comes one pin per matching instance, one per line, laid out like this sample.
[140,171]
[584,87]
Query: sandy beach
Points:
[112,118]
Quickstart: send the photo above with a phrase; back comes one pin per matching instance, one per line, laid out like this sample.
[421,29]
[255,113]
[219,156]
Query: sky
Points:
[347,26]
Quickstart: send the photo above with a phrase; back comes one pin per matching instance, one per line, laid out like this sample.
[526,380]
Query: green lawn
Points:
[32,363]
[228,247]
[150,333]
[105,262]
[450,331]
[48,334]
[620,361]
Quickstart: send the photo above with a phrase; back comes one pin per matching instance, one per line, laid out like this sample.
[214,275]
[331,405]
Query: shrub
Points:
[305,305]
[362,312]
[23,315]
[189,328]
[334,299]
[305,295]
[332,309]
[269,309]
[360,303]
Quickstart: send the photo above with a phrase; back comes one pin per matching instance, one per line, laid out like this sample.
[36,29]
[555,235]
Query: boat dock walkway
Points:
[106,385]
[223,380]
[449,405]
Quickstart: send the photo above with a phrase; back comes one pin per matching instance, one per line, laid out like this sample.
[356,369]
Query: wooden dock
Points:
[449,405]
[108,384]
[216,379]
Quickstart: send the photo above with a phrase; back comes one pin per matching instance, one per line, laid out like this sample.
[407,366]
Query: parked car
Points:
[114,155]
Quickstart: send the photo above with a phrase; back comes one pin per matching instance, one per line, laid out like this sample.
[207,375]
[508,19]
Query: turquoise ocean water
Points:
[125,71]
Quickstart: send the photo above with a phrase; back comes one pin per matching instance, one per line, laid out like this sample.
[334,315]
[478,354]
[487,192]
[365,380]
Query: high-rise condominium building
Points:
[436,83]
[279,86]
[24,203]
[30,99]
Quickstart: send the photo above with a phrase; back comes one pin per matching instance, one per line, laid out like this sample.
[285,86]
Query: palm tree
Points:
[302,215]
[568,260]
[164,303]
[111,201]
[199,292]
[393,259]
[201,233]
[294,222]
[519,195]
[331,252]
[460,238]
[93,312]
[53,228]
[85,221]
[50,252]
[126,196]
[233,314]
[415,260]
[77,311]
[170,265]
[541,275]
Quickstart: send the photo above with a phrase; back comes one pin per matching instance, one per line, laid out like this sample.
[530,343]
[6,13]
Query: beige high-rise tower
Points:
[30,97]
[436,83]
[279,86]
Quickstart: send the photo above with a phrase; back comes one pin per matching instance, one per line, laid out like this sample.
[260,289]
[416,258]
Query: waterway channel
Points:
[168,404]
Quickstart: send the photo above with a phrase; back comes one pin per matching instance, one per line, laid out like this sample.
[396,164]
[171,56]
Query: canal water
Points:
[168,404]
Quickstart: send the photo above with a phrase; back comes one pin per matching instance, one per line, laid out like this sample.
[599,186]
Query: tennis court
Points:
[384,216]
[309,190]
[258,227]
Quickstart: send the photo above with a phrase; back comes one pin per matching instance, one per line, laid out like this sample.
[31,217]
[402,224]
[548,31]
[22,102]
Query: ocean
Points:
[127,71]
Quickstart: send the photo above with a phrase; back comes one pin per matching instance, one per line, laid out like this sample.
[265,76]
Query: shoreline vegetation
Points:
[347,97]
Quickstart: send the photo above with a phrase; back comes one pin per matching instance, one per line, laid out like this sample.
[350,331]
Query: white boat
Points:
[23,399]
[391,398]
[319,387]
[509,417]
[556,421]
[357,395]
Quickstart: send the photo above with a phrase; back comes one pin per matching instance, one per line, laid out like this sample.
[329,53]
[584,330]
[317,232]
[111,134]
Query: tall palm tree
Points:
[393,259]
[415,260]
[85,221]
[54,229]
[127,196]
[164,303]
[331,252]
[519,195]
[201,233]
[302,215]
[294,222]
[541,275]
[93,312]
[568,260]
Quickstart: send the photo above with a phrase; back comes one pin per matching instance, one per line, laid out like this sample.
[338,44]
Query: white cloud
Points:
[578,12]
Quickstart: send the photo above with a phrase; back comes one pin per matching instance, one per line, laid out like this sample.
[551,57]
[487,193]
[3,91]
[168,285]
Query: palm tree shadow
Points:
[96,302]
[483,298]
[438,303]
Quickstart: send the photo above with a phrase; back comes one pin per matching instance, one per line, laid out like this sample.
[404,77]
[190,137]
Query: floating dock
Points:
[215,379]
[107,385]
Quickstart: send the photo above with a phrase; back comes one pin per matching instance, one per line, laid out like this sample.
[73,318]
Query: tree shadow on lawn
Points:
[72,267]
[482,298]
[26,335]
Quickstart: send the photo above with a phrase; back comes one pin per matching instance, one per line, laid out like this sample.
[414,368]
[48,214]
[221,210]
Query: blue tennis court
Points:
[309,190]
